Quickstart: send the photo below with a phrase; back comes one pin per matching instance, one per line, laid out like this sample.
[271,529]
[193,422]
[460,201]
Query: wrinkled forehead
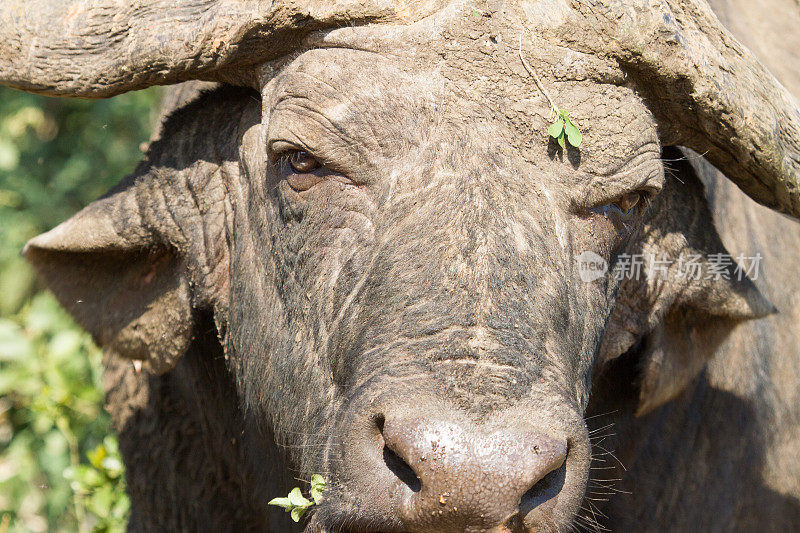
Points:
[465,65]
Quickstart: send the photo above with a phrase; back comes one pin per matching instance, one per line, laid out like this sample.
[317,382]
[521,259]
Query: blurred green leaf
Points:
[317,488]
[296,504]
[298,512]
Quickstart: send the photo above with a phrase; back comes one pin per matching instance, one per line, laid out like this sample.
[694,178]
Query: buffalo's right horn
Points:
[100,48]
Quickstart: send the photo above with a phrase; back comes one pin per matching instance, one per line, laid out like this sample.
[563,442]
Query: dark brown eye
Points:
[624,205]
[302,162]
[628,201]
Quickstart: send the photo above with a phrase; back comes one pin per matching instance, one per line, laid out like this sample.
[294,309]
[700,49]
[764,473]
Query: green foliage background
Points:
[59,465]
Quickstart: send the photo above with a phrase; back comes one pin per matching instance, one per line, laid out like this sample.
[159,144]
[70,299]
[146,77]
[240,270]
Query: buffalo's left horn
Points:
[707,91]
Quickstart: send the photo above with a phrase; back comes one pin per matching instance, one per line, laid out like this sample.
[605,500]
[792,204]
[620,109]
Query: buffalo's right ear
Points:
[133,266]
[119,281]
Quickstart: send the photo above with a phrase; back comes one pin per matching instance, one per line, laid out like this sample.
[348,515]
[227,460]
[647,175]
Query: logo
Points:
[694,267]
[591,266]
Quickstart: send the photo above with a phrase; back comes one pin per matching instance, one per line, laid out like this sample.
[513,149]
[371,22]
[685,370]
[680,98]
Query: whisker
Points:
[601,414]
[608,452]
[597,510]
[601,428]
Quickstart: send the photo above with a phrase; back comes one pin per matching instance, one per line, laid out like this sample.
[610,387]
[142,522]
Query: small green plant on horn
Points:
[562,127]
[296,504]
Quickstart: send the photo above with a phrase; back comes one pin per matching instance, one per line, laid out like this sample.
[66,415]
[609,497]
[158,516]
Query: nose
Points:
[453,477]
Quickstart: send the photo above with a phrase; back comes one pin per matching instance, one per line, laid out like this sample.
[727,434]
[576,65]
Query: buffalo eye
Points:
[302,162]
[628,201]
[301,170]
[617,217]
[624,206]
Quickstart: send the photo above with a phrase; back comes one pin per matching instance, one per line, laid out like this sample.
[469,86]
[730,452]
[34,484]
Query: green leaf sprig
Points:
[562,127]
[296,504]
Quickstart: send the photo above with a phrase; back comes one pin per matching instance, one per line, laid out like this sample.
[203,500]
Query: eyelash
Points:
[617,221]
[287,160]
[625,205]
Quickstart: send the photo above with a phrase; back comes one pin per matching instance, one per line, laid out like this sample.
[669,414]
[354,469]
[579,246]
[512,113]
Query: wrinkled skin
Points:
[426,276]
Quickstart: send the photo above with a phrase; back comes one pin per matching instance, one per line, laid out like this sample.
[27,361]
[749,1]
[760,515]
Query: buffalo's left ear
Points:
[675,352]
[118,279]
[687,299]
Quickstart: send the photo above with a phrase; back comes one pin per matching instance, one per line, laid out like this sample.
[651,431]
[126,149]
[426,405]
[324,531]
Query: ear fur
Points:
[122,285]
[674,353]
[679,319]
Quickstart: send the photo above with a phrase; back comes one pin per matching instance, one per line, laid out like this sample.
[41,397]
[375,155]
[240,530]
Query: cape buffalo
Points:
[358,253]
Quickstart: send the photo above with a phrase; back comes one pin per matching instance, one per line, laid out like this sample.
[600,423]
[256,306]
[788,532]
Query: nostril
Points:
[543,490]
[396,464]
[380,421]
[401,469]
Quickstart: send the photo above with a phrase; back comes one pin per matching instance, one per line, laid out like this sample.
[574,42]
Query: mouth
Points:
[516,523]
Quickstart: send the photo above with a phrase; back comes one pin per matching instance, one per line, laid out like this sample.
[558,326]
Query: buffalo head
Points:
[390,244]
